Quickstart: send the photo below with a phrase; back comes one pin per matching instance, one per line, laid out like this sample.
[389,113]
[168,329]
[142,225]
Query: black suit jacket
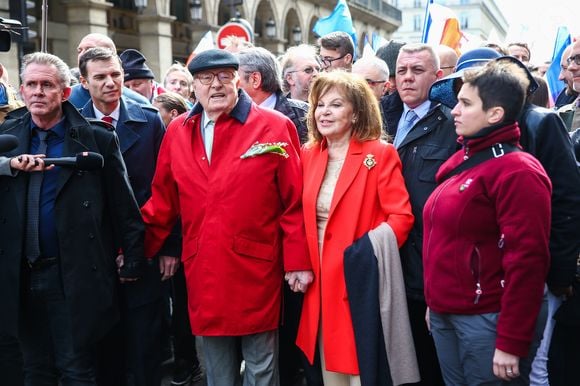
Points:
[96,215]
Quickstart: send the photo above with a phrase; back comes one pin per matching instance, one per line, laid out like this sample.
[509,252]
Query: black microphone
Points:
[8,143]
[87,160]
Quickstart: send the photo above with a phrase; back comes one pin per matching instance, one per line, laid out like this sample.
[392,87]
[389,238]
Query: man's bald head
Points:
[93,40]
[447,58]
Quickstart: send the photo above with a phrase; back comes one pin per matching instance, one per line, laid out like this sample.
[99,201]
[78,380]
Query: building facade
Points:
[479,19]
[169,30]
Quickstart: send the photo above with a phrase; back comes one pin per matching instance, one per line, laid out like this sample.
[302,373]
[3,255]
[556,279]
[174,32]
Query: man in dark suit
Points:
[61,231]
[140,130]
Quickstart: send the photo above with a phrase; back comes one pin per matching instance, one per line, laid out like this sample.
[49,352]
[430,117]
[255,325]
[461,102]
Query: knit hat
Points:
[389,53]
[444,90]
[214,58]
[134,65]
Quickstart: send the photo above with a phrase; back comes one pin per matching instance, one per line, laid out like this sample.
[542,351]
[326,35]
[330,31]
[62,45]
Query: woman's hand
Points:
[505,366]
[299,280]
[427,319]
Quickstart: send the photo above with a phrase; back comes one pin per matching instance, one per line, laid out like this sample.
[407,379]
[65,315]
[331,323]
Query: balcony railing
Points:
[380,7]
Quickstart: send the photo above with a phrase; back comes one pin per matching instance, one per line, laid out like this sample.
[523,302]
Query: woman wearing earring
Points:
[352,185]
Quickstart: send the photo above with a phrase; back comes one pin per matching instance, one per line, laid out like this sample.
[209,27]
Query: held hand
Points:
[428,320]
[299,280]
[168,266]
[29,163]
[505,366]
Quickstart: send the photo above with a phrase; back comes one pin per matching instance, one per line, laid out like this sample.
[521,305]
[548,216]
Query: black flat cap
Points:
[210,59]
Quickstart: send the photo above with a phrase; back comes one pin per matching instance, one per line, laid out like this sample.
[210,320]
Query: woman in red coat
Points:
[352,184]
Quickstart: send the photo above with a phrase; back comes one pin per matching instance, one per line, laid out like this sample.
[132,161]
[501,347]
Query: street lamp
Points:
[195,10]
[270,28]
[297,35]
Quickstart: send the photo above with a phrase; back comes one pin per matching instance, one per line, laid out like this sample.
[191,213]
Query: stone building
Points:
[169,30]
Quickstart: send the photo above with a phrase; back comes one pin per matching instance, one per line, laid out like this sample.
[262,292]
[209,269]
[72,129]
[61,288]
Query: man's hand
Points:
[505,366]
[29,163]
[168,266]
[299,280]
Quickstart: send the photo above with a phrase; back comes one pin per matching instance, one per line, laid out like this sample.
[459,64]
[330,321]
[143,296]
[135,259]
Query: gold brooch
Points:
[370,161]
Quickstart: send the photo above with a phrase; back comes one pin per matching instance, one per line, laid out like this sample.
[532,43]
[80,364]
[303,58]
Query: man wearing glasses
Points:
[230,169]
[300,66]
[336,51]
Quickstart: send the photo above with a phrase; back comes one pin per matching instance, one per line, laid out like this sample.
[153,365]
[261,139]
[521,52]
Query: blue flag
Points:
[556,86]
[338,20]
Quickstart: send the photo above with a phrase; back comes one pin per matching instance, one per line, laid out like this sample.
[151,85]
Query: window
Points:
[417,24]
[417,3]
[464,20]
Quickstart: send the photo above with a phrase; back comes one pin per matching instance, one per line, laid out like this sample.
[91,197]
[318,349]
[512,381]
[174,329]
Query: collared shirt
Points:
[269,102]
[207,130]
[420,110]
[114,114]
[48,236]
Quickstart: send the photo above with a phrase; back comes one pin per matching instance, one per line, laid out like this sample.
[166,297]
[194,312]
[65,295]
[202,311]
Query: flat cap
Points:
[210,59]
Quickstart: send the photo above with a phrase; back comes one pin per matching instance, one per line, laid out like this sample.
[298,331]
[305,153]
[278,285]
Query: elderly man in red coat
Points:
[231,170]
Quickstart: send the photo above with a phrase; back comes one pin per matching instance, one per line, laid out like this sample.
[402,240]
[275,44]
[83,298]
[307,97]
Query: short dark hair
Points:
[500,84]
[94,54]
[338,41]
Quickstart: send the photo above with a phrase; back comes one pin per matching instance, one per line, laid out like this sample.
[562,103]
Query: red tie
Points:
[107,119]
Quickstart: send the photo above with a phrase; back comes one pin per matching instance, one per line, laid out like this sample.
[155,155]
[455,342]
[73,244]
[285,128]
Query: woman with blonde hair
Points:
[354,195]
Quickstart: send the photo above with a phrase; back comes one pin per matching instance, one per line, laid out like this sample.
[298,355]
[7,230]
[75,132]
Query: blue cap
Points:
[443,90]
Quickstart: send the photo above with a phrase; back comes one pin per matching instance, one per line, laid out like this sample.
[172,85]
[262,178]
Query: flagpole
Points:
[426,22]
[44,27]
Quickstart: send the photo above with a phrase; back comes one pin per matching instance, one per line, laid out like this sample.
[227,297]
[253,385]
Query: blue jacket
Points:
[140,131]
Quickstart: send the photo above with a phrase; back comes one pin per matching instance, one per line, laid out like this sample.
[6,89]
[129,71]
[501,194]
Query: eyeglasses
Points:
[224,77]
[327,60]
[375,82]
[575,59]
[446,67]
[306,70]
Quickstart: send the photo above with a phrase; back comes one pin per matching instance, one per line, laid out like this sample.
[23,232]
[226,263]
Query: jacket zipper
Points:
[477,274]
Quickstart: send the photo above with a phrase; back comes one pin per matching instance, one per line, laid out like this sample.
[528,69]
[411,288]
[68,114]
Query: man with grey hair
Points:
[300,66]
[376,73]
[260,78]
[62,230]
[425,137]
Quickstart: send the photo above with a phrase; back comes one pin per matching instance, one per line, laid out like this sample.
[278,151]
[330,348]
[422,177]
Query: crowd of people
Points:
[407,218]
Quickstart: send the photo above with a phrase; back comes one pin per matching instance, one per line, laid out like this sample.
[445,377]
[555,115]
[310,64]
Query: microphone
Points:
[87,160]
[8,143]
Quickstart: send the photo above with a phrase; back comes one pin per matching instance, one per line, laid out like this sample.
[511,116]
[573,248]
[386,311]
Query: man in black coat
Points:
[61,231]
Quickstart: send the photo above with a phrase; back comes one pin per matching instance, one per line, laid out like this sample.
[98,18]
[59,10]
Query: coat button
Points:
[86,204]
[91,236]
[94,267]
